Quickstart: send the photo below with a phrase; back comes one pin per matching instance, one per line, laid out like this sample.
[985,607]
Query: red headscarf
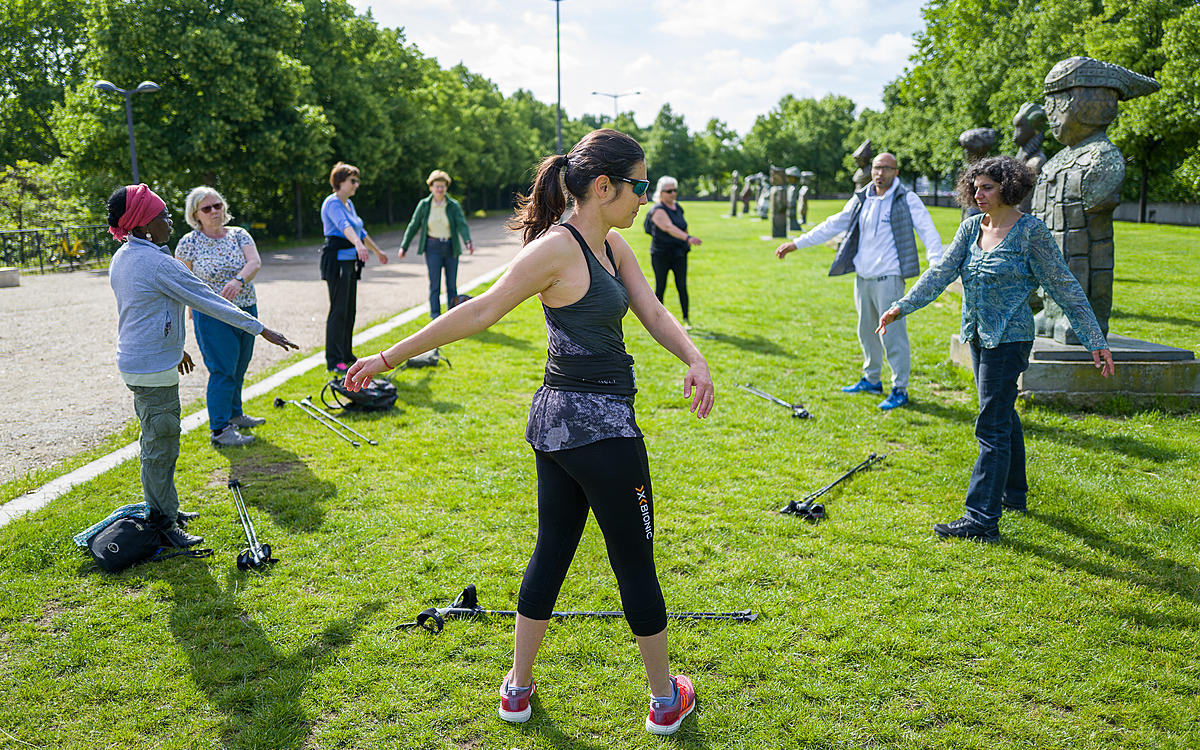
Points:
[141,205]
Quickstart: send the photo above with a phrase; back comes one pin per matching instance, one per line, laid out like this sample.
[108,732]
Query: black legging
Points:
[612,478]
[662,264]
[343,304]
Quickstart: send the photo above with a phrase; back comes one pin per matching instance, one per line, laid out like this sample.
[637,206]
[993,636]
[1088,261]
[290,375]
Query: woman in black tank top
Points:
[589,450]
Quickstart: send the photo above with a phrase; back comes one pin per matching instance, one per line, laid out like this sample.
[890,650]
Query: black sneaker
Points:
[965,528]
[183,517]
[1016,508]
[181,539]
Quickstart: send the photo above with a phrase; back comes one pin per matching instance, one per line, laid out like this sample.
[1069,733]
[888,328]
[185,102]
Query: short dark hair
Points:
[1014,177]
[116,206]
[342,172]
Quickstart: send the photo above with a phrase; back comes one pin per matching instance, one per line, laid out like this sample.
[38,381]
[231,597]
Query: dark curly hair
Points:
[116,206]
[1015,179]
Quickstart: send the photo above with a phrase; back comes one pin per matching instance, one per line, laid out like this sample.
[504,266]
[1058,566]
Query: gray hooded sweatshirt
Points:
[152,289]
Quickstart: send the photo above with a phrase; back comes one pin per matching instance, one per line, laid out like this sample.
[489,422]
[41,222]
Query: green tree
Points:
[41,53]
[669,148]
[805,133]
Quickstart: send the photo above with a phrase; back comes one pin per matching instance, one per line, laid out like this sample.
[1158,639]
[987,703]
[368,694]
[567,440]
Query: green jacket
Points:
[419,225]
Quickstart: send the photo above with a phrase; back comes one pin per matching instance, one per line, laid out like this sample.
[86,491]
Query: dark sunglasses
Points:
[667,190]
[212,207]
[639,186]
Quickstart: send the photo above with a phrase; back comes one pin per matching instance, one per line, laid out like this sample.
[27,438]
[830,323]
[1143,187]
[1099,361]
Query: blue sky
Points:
[731,59]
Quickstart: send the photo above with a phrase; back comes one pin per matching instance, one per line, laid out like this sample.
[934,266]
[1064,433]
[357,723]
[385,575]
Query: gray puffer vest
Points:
[902,233]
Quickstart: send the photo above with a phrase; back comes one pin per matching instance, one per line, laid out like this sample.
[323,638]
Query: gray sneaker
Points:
[243,420]
[230,437]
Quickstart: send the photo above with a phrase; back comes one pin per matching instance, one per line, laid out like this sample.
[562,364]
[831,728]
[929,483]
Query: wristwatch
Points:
[240,280]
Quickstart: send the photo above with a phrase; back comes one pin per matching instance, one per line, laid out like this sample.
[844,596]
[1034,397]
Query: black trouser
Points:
[343,303]
[664,264]
[612,479]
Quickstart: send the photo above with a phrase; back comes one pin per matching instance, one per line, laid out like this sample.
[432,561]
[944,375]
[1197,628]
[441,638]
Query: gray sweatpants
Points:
[158,411]
[872,298]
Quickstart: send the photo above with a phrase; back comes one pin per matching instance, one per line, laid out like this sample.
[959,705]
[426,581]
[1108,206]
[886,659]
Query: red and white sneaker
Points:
[514,702]
[666,719]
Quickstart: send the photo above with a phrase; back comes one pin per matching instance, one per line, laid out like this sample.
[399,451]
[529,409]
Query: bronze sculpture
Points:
[793,198]
[777,200]
[734,180]
[976,143]
[1029,132]
[1079,188]
[862,157]
[806,181]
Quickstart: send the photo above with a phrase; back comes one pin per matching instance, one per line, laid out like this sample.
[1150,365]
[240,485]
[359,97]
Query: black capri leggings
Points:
[612,478]
[664,264]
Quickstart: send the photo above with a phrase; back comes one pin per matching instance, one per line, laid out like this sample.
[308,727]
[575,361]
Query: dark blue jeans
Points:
[439,256]
[1000,468]
[226,351]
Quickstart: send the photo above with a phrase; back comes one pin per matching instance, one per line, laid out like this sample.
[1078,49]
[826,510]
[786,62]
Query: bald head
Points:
[883,170]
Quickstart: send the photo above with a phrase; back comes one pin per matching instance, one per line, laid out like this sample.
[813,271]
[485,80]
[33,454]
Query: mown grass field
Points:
[1079,630]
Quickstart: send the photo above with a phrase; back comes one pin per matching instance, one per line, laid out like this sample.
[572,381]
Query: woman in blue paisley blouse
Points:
[225,258]
[1002,255]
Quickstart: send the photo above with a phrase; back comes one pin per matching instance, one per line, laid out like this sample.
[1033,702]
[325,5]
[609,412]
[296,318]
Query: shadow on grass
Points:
[1123,444]
[501,339]
[256,688]
[1166,319]
[757,344]
[276,481]
[418,394]
[1153,571]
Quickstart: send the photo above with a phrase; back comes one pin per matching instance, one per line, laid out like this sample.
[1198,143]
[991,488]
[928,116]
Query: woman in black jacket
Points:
[670,243]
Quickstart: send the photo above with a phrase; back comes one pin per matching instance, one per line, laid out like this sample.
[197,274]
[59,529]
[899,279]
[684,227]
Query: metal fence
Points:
[57,248]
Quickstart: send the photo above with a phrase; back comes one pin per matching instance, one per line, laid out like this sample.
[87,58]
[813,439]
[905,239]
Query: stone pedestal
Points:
[1147,374]
[10,277]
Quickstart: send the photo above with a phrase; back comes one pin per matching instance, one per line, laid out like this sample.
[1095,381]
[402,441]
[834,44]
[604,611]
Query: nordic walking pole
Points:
[279,403]
[798,410]
[805,506]
[307,401]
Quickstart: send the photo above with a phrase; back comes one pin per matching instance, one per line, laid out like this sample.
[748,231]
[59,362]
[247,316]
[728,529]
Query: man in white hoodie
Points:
[152,290]
[879,248]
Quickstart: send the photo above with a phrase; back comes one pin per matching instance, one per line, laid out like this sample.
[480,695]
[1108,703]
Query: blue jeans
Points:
[226,351]
[439,255]
[1000,468]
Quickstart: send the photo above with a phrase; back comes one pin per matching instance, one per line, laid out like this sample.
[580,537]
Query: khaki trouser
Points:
[158,411]
[872,298]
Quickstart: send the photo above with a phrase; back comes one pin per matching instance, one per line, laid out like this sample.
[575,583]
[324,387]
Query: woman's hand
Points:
[231,289]
[470,248]
[186,365]
[278,339]
[782,251]
[887,319]
[382,258]
[361,249]
[1103,360]
[403,252]
[694,240]
[361,372]
[698,385]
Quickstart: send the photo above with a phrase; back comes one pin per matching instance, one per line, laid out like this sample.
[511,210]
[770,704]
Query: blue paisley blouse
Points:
[997,283]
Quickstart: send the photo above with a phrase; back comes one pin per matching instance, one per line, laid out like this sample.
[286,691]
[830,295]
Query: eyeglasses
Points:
[639,186]
[211,207]
[667,190]
[885,169]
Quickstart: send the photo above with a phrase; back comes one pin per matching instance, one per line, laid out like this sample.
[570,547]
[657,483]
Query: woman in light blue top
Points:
[342,259]
[1002,255]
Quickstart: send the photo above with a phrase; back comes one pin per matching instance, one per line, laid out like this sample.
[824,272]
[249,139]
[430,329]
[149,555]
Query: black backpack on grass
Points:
[379,395]
[128,541]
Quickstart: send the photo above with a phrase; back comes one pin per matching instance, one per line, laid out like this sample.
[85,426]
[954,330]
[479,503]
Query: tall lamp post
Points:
[145,87]
[615,97]
[558,58]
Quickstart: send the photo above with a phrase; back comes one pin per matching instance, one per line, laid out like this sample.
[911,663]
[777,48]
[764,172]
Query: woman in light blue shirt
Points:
[342,259]
[1002,255]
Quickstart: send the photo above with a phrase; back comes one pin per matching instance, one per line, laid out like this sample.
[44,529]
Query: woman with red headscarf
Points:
[152,289]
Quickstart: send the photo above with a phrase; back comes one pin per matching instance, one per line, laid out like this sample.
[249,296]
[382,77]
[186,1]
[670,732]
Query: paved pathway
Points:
[62,393]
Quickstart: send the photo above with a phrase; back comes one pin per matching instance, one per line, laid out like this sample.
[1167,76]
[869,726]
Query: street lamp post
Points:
[558,58]
[615,97]
[145,87]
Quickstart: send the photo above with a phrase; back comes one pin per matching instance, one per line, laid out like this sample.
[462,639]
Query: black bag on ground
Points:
[129,541]
[379,395]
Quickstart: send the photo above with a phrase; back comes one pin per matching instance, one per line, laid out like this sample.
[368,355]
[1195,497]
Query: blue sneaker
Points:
[863,386]
[898,398]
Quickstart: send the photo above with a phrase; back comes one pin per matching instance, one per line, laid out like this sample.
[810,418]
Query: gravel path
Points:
[58,336]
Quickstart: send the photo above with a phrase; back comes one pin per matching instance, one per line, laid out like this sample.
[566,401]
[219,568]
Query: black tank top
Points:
[594,321]
[662,243]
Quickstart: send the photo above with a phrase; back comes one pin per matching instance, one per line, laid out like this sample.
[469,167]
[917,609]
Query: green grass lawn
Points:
[1079,630]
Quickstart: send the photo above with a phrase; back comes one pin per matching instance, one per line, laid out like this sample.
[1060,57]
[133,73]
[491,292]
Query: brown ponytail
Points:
[599,152]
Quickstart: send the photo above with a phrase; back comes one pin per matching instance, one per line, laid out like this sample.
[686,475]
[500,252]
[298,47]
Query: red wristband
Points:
[385,362]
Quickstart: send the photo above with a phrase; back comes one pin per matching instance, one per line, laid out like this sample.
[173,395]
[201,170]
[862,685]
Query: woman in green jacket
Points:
[440,221]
